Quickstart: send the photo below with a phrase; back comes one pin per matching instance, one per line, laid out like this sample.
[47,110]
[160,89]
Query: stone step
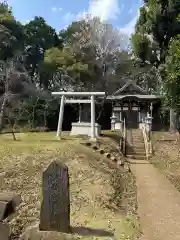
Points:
[136,147]
[141,146]
[137,150]
[140,136]
[138,157]
[137,138]
[137,135]
[138,142]
[136,153]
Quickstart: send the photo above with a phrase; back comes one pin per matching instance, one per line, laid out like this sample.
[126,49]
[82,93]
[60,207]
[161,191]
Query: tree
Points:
[157,25]
[172,81]
[11,33]
[39,37]
[102,44]
[15,85]
[67,66]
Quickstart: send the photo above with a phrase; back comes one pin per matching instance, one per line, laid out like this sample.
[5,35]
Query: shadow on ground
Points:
[83,231]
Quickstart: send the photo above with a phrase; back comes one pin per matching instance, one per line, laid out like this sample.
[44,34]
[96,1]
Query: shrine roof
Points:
[151,96]
[131,89]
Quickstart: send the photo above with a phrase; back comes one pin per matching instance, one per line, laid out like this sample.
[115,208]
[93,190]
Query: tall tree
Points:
[157,25]
[66,68]
[11,33]
[39,37]
[99,45]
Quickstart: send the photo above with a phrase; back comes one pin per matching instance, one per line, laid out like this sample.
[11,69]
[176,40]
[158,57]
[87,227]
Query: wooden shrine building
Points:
[132,103]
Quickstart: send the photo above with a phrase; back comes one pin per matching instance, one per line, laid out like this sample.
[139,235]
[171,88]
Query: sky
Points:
[122,14]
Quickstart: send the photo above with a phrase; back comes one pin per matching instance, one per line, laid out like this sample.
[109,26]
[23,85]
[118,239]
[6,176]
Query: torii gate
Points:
[80,94]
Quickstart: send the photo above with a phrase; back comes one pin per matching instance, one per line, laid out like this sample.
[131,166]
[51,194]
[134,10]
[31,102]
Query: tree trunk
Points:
[2,113]
[173,121]
[12,128]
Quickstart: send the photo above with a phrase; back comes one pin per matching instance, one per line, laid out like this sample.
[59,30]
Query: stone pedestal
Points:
[113,122]
[84,128]
[118,126]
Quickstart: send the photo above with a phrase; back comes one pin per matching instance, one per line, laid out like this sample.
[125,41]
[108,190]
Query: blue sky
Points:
[59,13]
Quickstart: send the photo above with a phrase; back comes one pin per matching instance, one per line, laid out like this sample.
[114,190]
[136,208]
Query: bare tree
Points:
[106,46]
[15,85]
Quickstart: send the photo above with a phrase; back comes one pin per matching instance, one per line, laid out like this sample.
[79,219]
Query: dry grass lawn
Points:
[167,156]
[94,187]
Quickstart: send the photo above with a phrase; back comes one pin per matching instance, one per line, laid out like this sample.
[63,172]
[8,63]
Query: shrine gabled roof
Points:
[129,88]
[145,97]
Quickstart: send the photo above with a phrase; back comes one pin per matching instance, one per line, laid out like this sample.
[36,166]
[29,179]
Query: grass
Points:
[167,156]
[101,196]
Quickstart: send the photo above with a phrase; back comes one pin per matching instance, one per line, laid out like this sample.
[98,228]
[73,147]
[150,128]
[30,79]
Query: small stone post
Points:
[55,207]
[113,122]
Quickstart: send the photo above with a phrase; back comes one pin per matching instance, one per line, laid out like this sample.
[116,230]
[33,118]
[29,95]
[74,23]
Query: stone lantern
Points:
[148,125]
[148,121]
[113,122]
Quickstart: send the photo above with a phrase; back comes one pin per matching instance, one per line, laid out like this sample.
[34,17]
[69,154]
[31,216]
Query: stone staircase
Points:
[135,145]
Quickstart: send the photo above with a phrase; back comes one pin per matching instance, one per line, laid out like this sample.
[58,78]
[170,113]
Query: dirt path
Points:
[159,203]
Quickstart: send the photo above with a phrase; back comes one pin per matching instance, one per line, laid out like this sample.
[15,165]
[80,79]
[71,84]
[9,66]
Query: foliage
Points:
[155,41]
[11,33]
[172,79]
[97,44]
[39,37]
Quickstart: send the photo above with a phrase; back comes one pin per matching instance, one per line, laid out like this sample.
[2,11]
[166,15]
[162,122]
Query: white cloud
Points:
[55,9]
[104,9]
[130,11]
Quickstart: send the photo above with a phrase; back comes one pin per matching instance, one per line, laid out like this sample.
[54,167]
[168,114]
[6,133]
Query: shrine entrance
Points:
[131,115]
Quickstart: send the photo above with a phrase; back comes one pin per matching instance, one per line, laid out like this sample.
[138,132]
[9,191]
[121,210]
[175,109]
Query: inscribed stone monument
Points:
[55,207]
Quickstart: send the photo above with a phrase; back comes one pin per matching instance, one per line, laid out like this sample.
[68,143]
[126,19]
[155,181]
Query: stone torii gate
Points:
[79,94]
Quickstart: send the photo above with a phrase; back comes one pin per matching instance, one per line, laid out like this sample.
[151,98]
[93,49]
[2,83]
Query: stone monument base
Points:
[118,126]
[84,128]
